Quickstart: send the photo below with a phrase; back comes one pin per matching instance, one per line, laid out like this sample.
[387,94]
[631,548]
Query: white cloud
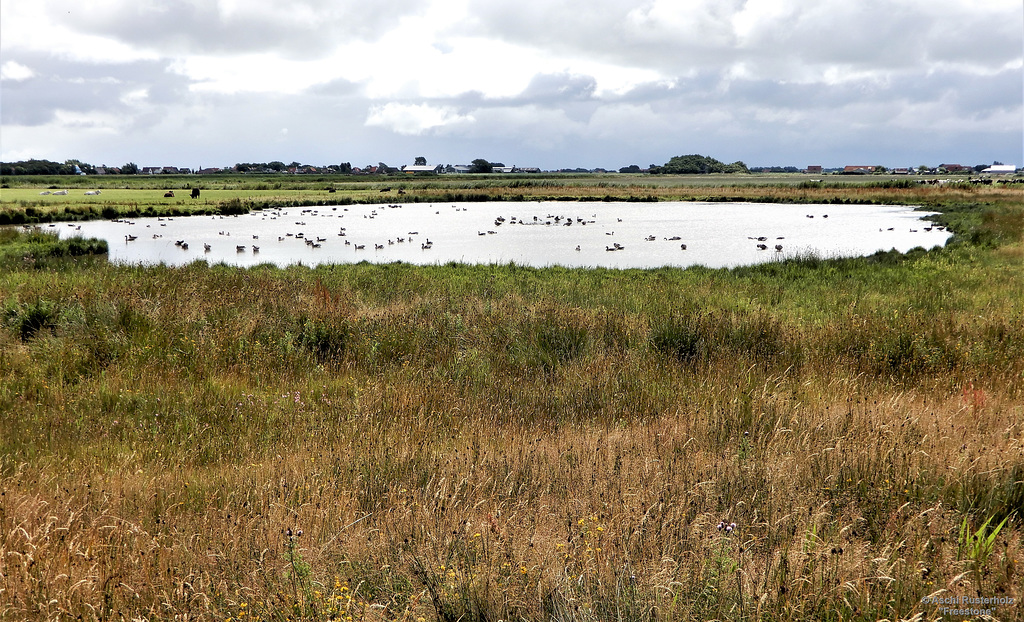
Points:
[414,119]
[772,76]
[12,70]
[135,97]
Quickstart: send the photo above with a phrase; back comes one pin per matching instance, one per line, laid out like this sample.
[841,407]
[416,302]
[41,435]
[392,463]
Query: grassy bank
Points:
[134,196]
[496,442]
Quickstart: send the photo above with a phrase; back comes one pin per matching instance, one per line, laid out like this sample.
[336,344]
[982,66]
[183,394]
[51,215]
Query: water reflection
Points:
[613,235]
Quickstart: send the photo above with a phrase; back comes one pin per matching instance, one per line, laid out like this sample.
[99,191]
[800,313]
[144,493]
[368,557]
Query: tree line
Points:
[46,167]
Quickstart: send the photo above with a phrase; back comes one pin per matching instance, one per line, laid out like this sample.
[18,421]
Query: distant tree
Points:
[996,163]
[37,167]
[698,165]
[632,168]
[345,168]
[420,161]
[130,169]
[773,169]
[481,166]
[979,167]
[276,165]
[82,167]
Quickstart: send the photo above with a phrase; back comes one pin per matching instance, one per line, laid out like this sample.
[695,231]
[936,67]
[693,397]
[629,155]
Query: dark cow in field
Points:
[195,193]
[169,193]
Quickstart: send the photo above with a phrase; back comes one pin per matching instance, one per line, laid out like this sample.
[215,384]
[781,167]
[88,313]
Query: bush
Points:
[703,338]
[326,342]
[32,318]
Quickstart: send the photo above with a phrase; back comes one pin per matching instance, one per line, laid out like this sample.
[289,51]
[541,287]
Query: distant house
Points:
[954,168]
[859,170]
[901,171]
[1000,169]
[814,169]
[421,168]
[162,170]
[457,169]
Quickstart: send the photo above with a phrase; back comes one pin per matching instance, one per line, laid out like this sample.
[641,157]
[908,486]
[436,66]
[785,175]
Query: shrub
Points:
[32,318]
[326,342]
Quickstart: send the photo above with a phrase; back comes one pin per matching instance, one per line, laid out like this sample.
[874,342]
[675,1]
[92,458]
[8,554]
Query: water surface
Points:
[644,235]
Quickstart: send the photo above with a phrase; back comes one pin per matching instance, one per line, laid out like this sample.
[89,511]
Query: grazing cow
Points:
[92,193]
[60,193]
[168,194]
[195,193]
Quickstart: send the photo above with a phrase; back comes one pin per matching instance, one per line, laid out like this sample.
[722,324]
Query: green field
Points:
[21,202]
[394,442]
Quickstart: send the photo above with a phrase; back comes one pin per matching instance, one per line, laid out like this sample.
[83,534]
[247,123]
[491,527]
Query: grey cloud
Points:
[864,35]
[825,82]
[86,87]
[336,88]
[559,88]
[297,29]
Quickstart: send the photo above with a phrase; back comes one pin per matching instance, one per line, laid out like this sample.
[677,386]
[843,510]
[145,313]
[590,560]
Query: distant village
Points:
[306,169]
[421,168]
[459,169]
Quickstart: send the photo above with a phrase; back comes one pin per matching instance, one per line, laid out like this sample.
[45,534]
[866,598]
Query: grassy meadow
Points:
[802,440]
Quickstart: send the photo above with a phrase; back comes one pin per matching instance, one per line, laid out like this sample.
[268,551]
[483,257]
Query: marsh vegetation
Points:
[800,440]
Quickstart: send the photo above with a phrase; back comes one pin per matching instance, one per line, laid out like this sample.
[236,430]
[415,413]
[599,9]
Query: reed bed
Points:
[802,440]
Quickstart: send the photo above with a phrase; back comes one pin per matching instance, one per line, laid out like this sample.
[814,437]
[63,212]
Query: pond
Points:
[571,234]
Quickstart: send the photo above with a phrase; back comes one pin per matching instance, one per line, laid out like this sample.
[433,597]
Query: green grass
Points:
[133,196]
[503,442]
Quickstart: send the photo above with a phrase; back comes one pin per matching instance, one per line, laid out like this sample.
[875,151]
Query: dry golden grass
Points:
[503,443]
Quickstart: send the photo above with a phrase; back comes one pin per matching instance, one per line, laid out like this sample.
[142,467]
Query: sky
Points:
[532,83]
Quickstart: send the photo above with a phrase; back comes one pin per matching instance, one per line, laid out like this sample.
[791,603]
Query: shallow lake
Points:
[612,235]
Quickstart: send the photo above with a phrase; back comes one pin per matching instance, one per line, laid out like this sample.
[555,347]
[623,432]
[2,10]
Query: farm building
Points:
[422,168]
[1001,169]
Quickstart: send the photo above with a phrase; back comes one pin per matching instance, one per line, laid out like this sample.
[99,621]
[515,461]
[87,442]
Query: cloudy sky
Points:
[546,83]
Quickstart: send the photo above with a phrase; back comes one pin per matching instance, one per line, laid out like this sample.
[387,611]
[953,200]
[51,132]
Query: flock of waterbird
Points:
[311,240]
[317,240]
